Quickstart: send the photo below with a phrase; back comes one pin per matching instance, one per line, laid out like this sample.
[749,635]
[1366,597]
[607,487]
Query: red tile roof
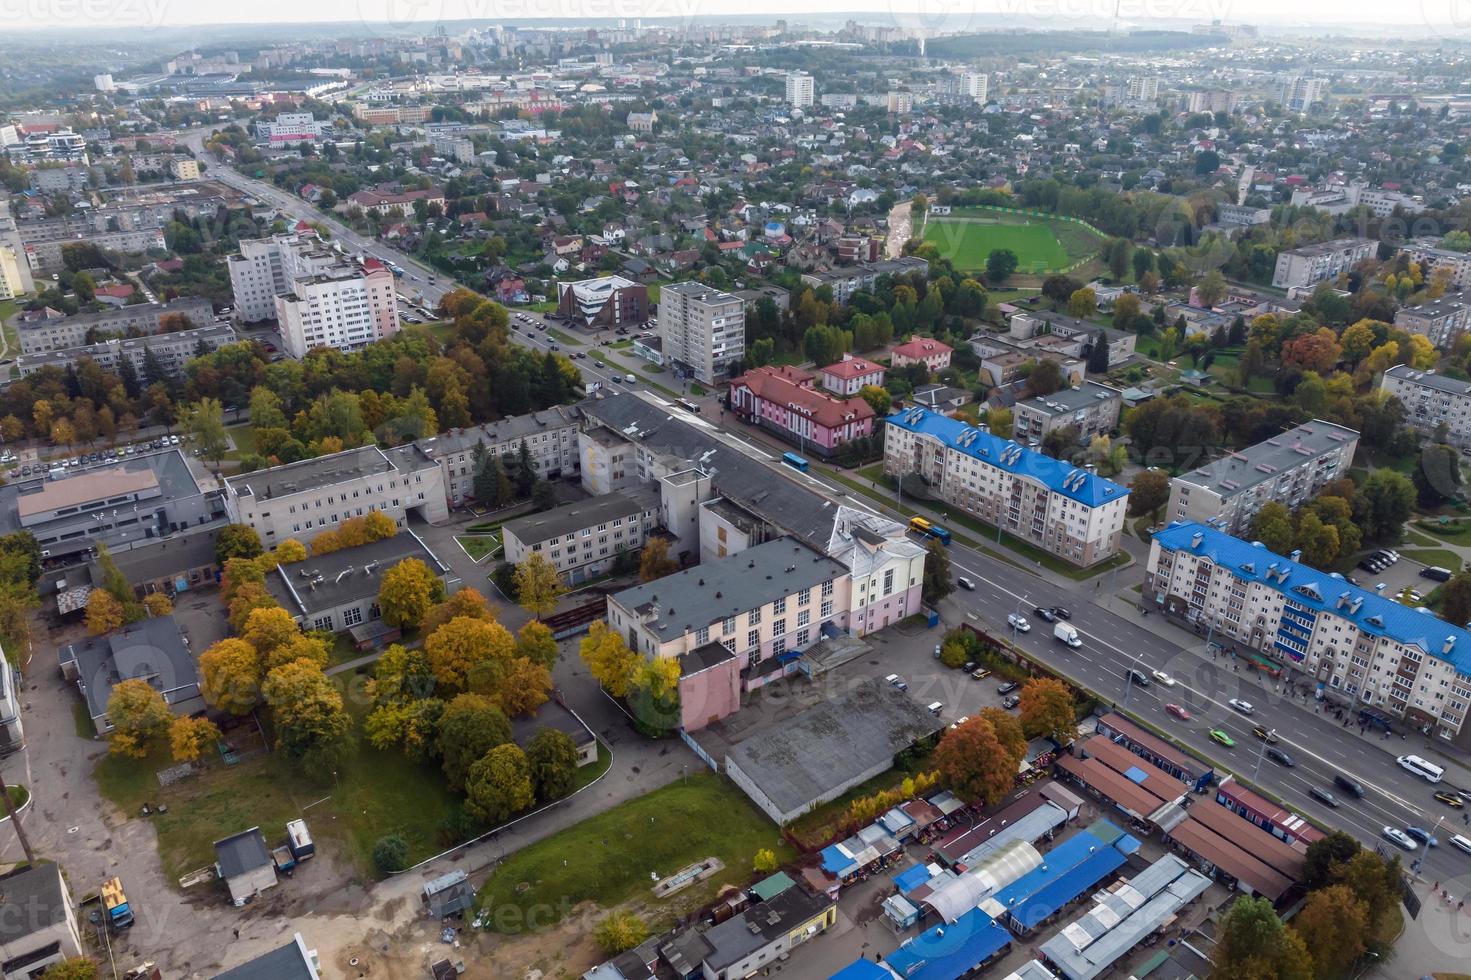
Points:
[851,368]
[922,347]
[773,384]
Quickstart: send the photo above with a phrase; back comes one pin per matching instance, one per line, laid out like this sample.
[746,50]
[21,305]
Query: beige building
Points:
[1091,407]
[184,168]
[11,282]
[550,436]
[60,332]
[1430,400]
[1300,268]
[1364,648]
[301,500]
[1441,321]
[703,329]
[583,539]
[1288,468]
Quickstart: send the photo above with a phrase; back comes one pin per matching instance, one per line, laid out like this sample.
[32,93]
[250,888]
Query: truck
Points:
[119,912]
[1068,634]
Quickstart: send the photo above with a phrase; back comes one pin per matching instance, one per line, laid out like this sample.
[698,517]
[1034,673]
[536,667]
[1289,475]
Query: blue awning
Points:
[837,861]
[862,970]
[911,878]
[949,951]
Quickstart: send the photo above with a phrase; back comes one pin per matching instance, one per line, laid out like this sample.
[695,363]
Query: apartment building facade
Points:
[1070,512]
[1288,468]
[703,330]
[58,333]
[782,400]
[801,89]
[921,350]
[301,500]
[608,301]
[169,351]
[12,282]
[1441,321]
[550,436]
[583,539]
[864,276]
[1361,647]
[1429,252]
[1091,407]
[1300,268]
[1432,399]
[851,375]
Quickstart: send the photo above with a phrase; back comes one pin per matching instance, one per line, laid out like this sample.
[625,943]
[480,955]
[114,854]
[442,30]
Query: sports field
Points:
[967,237]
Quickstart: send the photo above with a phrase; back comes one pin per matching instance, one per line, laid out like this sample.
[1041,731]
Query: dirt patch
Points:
[567,950]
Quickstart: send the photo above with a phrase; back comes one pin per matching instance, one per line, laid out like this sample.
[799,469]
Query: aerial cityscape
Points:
[532,493]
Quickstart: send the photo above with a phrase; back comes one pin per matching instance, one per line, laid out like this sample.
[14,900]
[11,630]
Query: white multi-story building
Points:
[316,297]
[47,333]
[583,539]
[1143,88]
[1211,100]
[1441,321]
[1288,468]
[1307,266]
[292,127]
[1431,399]
[1300,92]
[1456,264]
[703,329]
[12,281]
[975,84]
[301,500]
[1362,648]
[1070,512]
[800,90]
[550,437]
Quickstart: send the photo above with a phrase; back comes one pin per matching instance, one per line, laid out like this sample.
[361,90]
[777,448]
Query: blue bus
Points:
[795,462]
[921,526]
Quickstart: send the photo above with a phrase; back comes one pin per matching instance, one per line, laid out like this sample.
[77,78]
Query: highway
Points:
[1112,643]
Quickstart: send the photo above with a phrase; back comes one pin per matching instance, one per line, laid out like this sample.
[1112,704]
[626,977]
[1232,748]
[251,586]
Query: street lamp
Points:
[1129,679]
[1261,754]
[1017,617]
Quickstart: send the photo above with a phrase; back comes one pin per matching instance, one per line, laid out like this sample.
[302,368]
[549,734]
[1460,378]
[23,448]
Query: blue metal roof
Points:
[911,878]
[862,970]
[1064,478]
[1055,863]
[1323,592]
[1068,870]
[947,952]
[836,861]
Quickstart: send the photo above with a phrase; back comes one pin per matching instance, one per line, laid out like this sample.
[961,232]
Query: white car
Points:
[1019,623]
[1397,836]
[1164,678]
[1245,707]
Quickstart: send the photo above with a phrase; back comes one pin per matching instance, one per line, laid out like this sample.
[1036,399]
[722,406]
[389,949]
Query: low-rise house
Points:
[933,354]
[941,398]
[169,565]
[244,864]
[766,933]
[558,717]
[153,650]
[851,374]
[583,539]
[40,927]
[294,961]
[1034,328]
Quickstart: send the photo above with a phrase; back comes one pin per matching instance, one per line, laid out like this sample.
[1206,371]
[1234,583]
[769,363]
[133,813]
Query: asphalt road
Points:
[1112,643]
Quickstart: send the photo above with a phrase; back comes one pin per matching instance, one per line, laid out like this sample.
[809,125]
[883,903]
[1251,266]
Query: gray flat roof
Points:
[308,474]
[1428,379]
[1245,468]
[1444,306]
[35,899]
[242,852]
[1070,400]
[516,427]
[1328,248]
[159,557]
[734,939]
[289,962]
[168,465]
[349,575]
[152,649]
[569,518]
[552,715]
[696,596]
[99,318]
[219,333]
[831,743]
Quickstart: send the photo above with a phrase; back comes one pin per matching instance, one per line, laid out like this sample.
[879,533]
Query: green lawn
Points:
[243,438]
[561,337]
[968,241]
[608,858]
[1454,531]
[8,309]
[1435,556]
[479,546]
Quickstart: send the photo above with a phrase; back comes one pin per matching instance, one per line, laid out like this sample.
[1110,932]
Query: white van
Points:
[935,707]
[1427,771]
[1463,843]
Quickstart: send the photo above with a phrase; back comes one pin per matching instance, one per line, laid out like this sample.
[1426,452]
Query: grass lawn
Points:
[1454,531]
[967,241]
[608,858]
[1435,556]
[621,345]
[243,438]
[564,338]
[588,774]
[1418,540]
[479,546]
[8,309]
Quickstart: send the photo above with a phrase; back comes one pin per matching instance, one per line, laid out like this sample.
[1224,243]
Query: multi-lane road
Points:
[1112,643]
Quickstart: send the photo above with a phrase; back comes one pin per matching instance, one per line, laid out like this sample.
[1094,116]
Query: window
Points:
[779,628]
[779,645]
[322,623]
[753,618]
[804,617]
[702,635]
[802,636]
[827,589]
[804,598]
[779,606]
[753,639]
[728,627]
[351,617]
[889,582]
[827,608]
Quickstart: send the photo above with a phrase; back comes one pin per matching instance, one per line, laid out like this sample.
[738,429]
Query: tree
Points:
[158,604]
[1253,943]
[1456,600]
[620,931]
[230,672]
[1325,856]
[499,785]
[521,688]
[466,601]
[937,582]
[765,861]
[1318,351]
[1390,497]
[535,642]
[73,969]
[1126,310]
[104,613]
[1437,475]
[390,854]
[311,724]
[1000,264]
[205,423]
[269,629]
[1272,526]
[1211,288]
[190,737]
[1098,355]
[405,593]
[1046,378]
[1000,421]
[236,541]
[538,586]
[470,726]
[1008,729]
[464,644]
[973,763]
[610,660]
[1047,709]
[878,399]
[654,562]
[139,715]
[1149,492]
[1333,925]
[1082,303]
[552,756]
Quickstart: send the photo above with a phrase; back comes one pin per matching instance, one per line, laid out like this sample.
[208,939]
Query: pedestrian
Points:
[237,933]
[1435,887]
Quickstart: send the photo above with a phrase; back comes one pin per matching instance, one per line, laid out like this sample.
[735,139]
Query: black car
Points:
[1323,796]
[1042,612]
[1061,613]
[1137,677]
[1280,757]
[1349,785]
[1008,687]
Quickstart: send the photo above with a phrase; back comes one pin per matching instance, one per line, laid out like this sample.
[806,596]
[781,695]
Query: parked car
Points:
[1436,573]
[1178,711]
[897,681]
[1010,701]
[1218,735]
[1245,707]
[1007,687]
[980,673]
[1399,837]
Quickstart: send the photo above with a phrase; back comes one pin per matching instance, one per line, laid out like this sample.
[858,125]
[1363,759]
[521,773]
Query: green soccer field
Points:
[967,239]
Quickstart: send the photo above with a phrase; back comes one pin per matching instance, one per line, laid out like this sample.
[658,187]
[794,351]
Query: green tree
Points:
[470,727]
[236,541]
[1390,498]
[390,854]
[1456,600]
[312,727]
[499,785]
[937,582]
[1149,492]
[1082,303]
[620,931]
[1333,925]
[1000,264]
[1324,858]
[139,715]
[204,421]
[1272,526]
[552,756]
[1253,943]
[765,861]
[609,659]
[538,586]
[535,642]
[406,592]
[73,969]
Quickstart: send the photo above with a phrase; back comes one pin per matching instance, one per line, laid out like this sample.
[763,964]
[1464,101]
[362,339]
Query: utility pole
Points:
[25,844]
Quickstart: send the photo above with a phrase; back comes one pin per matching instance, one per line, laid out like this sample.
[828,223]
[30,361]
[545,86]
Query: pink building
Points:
[793,409]
[922,350]
[850,375]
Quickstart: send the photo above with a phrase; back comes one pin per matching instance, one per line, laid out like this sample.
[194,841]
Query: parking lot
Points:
[1390,581]
[28,463]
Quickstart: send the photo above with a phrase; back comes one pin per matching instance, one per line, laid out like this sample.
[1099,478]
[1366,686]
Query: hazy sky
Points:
[1436,16]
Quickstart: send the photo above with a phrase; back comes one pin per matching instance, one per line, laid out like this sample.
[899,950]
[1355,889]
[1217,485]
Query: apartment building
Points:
[851,375]
[184,168]
[1300,268]
[1430,400]
[316,297]
[583,539]
[44,254]
[292,127]
[1032,329]
[608,301]
[1288,468]
[1070,512]
[782,400]
[1361,647]
[800,90]
[846,281]
[12,282]
[168,351]
[550,436]
[44,333]
[975,84]
[300,500]
[1441,321]
[1091,407]
[703,330]
[1210,100]
[1429,253]
[1299,92]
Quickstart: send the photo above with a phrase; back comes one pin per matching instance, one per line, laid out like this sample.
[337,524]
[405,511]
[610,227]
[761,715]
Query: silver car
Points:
[1399,837]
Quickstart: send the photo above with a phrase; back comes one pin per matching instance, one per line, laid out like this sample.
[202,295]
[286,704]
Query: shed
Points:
[244,863]
[449,894]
